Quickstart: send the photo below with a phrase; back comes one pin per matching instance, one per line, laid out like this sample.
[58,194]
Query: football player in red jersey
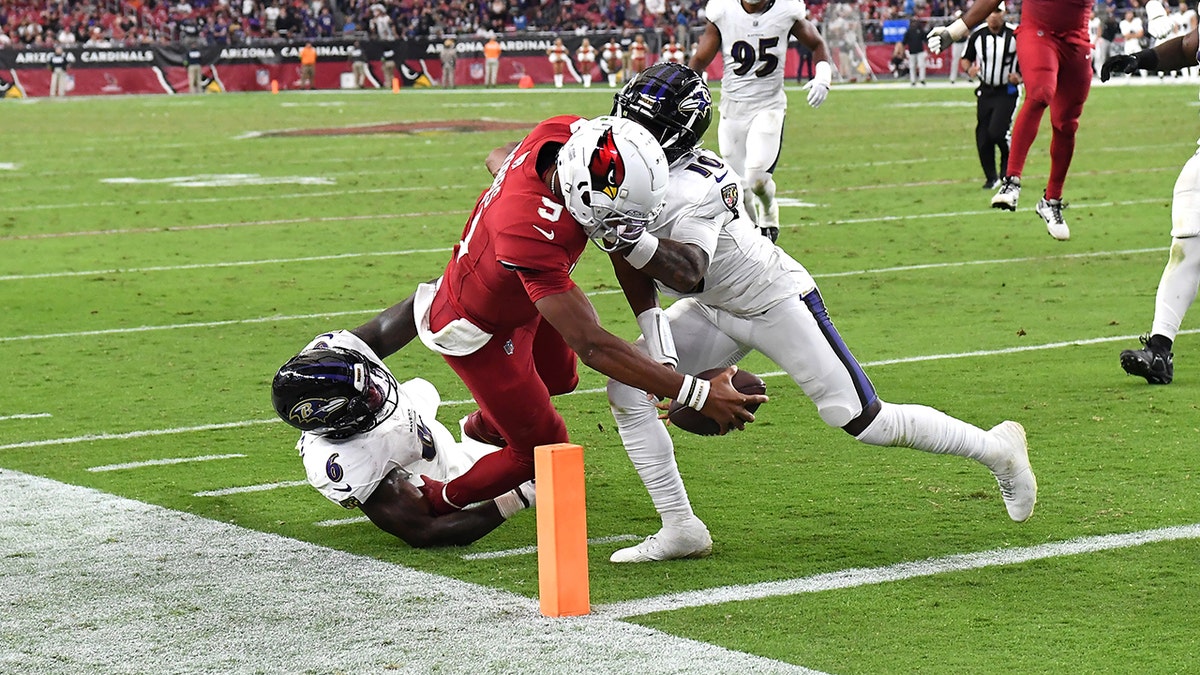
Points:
[506,315]
[1054,52]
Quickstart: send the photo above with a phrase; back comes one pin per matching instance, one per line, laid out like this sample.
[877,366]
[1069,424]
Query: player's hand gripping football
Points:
[1123,63]
[726,405]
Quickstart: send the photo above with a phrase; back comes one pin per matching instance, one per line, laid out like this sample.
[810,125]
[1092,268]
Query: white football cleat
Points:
[1051,211]
[1010,191]
[1013,472]
[670,543]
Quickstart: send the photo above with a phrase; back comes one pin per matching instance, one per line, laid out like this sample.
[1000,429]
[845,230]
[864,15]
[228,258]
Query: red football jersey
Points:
[519,245]
[1057,16]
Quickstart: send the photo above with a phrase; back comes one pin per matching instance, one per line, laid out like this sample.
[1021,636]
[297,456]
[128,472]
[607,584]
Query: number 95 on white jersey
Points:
[754,47]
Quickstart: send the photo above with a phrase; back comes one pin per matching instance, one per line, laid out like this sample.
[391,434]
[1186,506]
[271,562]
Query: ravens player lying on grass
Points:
[367,440]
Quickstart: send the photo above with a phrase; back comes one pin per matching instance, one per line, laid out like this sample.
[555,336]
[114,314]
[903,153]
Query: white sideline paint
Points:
[25,416]
[95,583]
[263,487]
[526,550]
[9,166]
[855,577]
[162,462]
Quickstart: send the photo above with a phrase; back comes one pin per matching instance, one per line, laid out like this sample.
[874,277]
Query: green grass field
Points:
[142,318]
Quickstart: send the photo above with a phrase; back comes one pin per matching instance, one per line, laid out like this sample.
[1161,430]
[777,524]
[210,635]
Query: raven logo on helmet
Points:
[607,166]
[315,410]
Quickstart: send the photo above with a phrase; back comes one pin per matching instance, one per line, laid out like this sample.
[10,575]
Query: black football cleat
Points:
[1157,367]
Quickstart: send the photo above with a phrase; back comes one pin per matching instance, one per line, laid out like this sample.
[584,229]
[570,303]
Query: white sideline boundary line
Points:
[162,462]
[774,373]
[526,550]
[102,584]
[25,416]
[855,577]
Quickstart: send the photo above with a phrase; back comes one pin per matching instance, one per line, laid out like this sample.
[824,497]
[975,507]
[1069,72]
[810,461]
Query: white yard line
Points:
[262,487]
[219,265]
[855,577]
[162,462]
[526,550]
[775,373]
[222,226]
[199,324]
[261,195]
[418,251]
[101,584]
[25,416]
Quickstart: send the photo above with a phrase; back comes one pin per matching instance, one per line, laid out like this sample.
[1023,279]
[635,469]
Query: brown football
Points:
[692,420]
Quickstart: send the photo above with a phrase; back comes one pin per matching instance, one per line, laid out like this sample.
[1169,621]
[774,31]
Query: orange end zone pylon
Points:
[561,530]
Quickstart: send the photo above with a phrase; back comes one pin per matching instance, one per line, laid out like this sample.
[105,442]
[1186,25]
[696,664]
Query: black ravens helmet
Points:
[672,102]
[334,392]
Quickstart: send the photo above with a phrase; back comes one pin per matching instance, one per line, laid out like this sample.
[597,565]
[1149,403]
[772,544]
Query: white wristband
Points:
[642,251]
[958,30]
[694,392]
[656,330]
[823,73]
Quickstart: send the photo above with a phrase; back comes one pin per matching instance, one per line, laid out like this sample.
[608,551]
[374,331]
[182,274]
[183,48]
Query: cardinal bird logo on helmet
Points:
[607,166]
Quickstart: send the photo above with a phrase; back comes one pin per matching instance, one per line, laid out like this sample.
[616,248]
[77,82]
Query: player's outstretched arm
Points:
[706,50]
[398,508]
[1173,54]
[943,36]
[390,330]
[574,317]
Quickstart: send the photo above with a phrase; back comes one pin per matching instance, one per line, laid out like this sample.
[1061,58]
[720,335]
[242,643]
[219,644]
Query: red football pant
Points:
[1058,75]
[513,391]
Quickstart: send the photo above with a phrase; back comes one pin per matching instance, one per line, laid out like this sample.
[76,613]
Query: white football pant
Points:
[799,337]
[1181,277]
[751,148]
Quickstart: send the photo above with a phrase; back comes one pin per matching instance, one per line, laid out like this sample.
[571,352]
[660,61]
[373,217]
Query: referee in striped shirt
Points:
[991,55]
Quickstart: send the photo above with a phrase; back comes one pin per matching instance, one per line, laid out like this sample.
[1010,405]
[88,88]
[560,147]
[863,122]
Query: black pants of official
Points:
[994,114]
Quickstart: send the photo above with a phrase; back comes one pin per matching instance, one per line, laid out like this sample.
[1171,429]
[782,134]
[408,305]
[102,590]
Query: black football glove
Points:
[1125,63]
[771,233]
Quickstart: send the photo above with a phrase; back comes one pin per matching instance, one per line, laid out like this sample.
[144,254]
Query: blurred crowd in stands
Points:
[112,23]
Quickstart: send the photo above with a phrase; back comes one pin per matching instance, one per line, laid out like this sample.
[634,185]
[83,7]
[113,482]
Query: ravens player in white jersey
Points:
[741,292]
[367,440]
[752,36]
[1180,281]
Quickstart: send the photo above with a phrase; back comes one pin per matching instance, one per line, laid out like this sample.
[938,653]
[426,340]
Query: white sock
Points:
[587,80]
[558,81]
[516,499]
[612,80]
[1178,286]
[923,428]
[653,454]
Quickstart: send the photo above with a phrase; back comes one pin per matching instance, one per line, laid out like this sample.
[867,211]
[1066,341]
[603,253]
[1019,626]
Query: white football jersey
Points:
[348,470]
[747,274]
[754,48]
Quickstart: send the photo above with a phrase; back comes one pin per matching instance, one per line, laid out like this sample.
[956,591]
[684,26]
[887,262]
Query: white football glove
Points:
[818,86]
[1158,24]
[942,37]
